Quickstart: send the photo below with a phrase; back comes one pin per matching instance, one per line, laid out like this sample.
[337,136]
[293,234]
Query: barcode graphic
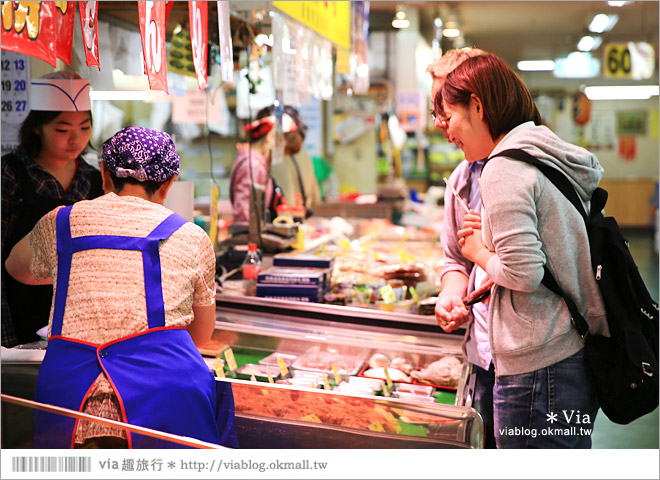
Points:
[51,464]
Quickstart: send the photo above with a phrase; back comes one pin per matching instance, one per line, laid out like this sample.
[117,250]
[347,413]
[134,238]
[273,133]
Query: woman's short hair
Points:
[506,100]
[150,186]
[29,140]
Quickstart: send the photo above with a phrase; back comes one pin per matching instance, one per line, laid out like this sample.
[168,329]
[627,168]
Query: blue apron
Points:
[158,375]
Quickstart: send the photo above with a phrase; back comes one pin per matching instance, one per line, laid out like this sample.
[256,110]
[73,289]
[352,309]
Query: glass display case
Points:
[322,376]
[18,433]
[333,393]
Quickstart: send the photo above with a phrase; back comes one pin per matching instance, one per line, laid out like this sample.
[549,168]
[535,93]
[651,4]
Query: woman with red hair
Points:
[541,388]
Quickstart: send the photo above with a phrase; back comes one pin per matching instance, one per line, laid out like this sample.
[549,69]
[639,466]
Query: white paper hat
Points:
[62,95]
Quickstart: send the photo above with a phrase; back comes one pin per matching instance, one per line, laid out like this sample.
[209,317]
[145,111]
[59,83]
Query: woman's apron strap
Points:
[153,290]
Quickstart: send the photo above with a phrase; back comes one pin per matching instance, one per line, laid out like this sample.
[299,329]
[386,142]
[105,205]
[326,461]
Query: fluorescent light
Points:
[577,65]
[619,4]
[631,92]
[400,23]
[588,43]
[603,23]
[400,19]
[536,65]
[452,29]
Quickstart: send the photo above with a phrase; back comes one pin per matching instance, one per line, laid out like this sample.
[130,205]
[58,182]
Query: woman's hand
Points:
[451,312]
[470,241]
[472,220]
[484,289]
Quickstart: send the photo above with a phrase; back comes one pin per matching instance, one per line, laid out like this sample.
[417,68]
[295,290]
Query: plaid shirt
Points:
[47,185]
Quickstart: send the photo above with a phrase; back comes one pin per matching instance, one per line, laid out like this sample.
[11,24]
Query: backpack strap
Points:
[564,185]
[576,317]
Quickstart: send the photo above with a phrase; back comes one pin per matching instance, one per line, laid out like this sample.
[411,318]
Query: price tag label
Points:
[344,243]
[335,372]
[389,417]
[326,384]
[252,378]
[219,372]
[217,364]
[311,418]
[383,386]
[270,377]
[231,361]
[387,378]
[283,370]
[376,427]
[413,294]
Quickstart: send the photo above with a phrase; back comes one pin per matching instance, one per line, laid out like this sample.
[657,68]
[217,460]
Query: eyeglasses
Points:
[443,120]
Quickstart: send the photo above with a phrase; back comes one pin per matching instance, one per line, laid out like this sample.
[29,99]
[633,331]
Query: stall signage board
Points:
[89,23]
[631,60]
[65,15]
[226,51]
[29,28]
[332,20]
[411,109]
[196,106]
[151,17]
[15,97]
[198,17]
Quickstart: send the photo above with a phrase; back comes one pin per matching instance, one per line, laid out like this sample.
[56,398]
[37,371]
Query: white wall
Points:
[644,165]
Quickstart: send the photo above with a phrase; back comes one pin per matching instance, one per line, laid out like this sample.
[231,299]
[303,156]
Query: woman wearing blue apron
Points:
[157,374]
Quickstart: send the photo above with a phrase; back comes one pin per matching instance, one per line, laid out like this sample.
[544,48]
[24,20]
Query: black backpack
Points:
[623,368]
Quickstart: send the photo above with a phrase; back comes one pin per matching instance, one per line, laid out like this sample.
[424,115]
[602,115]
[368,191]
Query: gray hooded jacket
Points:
[532,224]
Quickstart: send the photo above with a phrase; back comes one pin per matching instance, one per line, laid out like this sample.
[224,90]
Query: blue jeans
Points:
[554,407]
[482,401]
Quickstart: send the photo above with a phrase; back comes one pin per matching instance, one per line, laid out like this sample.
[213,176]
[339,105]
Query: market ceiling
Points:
[527,30]
[515,30]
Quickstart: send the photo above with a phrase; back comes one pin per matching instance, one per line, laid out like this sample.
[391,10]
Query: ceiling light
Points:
[451,29]
[577,65]
[400,19]
[630,92]
[588,43]
[603,23]
[619,4]
[536,65]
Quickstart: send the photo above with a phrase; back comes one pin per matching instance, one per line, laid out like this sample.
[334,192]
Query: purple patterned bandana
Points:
[141,153]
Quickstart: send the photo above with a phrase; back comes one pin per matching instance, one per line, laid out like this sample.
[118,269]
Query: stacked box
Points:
[296,293]
[303,260]
[295,276]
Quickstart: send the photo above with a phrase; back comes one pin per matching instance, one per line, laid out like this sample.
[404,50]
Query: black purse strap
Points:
[564,185]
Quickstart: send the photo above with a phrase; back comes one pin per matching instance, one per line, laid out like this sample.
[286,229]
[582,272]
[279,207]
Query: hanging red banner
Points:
[65,13]
[89,22]
[198,16]
[29,28]
[152,28]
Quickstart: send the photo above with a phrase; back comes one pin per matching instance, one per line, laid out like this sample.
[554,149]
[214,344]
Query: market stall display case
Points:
[326,396]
